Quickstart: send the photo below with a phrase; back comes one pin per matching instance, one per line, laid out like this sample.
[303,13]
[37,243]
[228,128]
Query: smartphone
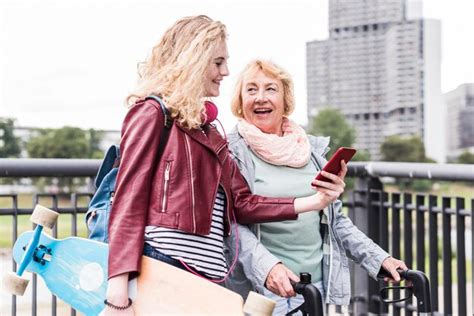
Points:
[334,164]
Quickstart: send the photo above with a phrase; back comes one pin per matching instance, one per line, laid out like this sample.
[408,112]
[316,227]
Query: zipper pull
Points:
[167,171]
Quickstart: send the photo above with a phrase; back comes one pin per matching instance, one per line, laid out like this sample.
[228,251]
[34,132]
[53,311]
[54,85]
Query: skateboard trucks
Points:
[419,286]
[313,302]
[42,216]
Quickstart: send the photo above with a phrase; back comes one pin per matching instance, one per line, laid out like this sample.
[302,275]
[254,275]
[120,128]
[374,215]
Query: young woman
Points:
[178,207]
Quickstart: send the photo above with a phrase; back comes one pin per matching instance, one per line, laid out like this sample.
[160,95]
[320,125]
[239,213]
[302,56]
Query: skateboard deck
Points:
[75,270]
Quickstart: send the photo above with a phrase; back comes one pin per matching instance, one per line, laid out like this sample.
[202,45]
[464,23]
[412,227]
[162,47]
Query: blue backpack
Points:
[97,216]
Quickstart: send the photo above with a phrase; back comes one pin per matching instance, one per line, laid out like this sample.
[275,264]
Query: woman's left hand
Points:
[330,191]
[326,192]
[391,265]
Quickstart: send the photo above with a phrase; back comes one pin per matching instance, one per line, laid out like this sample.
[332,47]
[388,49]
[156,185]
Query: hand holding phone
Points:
[334,164]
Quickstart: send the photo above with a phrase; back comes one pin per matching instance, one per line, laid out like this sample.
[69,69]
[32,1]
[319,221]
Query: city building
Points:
[381,69]
[459,120]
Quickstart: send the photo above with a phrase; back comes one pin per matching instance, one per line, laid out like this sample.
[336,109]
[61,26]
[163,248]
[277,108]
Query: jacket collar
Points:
[212,139]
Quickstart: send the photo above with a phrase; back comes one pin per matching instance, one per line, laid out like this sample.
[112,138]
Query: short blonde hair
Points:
[269,69]
[177,67]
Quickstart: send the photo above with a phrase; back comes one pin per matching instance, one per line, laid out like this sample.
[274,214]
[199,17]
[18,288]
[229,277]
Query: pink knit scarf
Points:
[292,149]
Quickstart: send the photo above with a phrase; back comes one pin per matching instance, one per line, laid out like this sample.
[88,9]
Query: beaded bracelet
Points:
[120,308]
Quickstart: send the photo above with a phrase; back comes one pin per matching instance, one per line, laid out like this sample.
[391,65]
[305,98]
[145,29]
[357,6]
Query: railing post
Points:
[434,252]
[461,256]
[408,239]
[396,238]
[447,268]
[367,220]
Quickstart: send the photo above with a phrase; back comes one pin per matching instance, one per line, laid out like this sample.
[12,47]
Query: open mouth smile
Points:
[262,111]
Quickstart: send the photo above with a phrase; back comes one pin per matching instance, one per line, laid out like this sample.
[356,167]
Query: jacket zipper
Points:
[330,221]
[220,148]
[165,186]
[328,291]
[190,157]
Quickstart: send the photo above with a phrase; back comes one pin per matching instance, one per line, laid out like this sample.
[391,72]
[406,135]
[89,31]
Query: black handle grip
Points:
[313,301]
[420,286]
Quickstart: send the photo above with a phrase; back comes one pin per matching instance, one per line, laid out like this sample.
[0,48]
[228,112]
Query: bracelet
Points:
[120,308]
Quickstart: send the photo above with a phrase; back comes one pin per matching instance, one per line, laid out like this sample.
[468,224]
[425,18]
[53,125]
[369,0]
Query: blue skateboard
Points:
[74,269]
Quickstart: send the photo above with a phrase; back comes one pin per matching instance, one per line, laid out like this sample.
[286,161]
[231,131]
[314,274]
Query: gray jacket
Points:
[341,239]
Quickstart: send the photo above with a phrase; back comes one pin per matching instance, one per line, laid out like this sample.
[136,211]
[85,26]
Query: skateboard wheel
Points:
[14,284]
[44,216]
[258,305]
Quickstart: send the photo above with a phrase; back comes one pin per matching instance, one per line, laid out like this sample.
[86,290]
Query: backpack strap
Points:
[112,157]
[166,113]
[168,121]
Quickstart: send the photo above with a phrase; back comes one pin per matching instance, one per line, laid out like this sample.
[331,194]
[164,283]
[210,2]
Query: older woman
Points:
[278,159]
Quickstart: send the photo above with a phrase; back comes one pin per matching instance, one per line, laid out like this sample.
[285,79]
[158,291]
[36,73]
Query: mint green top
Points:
[298,243]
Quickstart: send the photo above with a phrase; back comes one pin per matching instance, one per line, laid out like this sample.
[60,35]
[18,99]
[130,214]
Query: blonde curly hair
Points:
[272,70]
[177,67]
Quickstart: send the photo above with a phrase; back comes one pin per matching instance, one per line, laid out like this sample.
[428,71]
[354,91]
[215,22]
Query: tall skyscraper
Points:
[381,70]
[460,120]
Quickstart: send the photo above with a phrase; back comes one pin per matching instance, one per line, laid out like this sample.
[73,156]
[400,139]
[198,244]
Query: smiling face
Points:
[263,102]
[216,71]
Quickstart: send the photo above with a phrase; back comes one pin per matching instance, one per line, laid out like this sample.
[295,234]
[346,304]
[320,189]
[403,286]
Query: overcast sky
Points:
[72,62]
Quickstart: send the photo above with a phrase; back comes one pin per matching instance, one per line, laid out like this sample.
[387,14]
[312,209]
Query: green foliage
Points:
[66,142]
[9,144]
[404,149]
[94,137]
[466,157]
[407,149]
[415,185]
[331,122]
[361,155]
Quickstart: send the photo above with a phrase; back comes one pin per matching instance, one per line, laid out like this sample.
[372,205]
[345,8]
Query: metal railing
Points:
[417,228]
[386,217]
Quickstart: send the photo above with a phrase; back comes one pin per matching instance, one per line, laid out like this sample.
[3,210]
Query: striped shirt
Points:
[205,253]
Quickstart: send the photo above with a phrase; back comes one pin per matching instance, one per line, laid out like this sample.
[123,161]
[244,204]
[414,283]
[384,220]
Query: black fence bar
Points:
[407,170]
[48,167]
[420,233]
[407,239]
[384,235]
[88,167]
[433,238]
[447,269]
[54,305]
[14,237]
[461,258]
[74,202]
[396,241]
[373,200]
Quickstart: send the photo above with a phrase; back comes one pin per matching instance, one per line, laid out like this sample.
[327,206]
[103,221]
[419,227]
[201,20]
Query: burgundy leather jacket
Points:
[179,190]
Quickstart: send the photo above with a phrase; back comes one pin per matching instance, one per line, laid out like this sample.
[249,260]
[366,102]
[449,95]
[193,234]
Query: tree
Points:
[66,142]
[9,144]
[406,149]
[403,149]
[94,137]
[361,155]
[466,157]
[331,122]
